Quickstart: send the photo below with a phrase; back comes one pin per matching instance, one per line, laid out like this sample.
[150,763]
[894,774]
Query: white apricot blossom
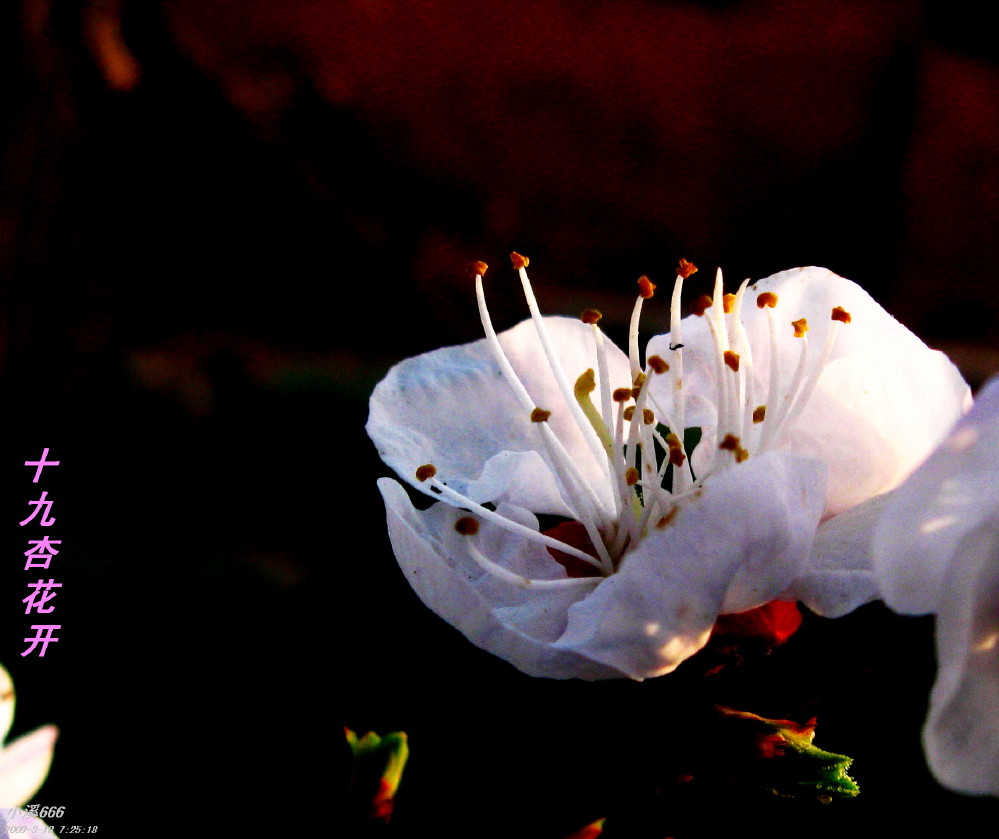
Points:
[24,766]
[576,535]
[936,550]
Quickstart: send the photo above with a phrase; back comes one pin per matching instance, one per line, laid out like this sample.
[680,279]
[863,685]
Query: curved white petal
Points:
[839,575]
[936,549]
[881,403]
[6,703]
[516,623]
[24,765]
[522,478]
[452,407]
[962,732]
[729,548]
[953,494]
[875,417]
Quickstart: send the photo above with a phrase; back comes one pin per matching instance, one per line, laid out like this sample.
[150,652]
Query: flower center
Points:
[638,433]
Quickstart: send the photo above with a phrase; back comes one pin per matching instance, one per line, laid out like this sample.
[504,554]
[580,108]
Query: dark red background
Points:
[222,221]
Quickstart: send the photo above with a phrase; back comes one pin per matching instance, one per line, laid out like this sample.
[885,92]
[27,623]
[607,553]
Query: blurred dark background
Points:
[221,222]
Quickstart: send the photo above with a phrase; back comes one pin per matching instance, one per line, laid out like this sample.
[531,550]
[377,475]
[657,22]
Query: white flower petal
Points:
[24,765]
[452,407]
[516,623]
[6,703]
[839,576]
[936,549]
[882,402]
[962,732]
[875,416]
[729,549]
[954,493]
[523,478]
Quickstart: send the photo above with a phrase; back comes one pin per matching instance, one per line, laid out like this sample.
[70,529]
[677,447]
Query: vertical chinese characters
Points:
[39,554]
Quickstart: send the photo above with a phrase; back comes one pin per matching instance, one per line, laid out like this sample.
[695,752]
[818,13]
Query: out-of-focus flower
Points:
[598,513]
[936,550]
[590,831]
[24,764]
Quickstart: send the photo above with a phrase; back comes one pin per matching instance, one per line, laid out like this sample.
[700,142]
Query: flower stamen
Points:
[520,263]
[739,339]
[839,317]
[467,526]
[646,288]
[505,575]
[577,488]
[684,270]
[457,499]
[637,462]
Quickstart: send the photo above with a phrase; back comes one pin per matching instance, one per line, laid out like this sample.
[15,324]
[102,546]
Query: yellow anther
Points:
[478,267]
[685,268]
[591,316]
[759,414]
[676,455]
[800,327]
[622,394]
[647,416]
[519,261]
[540,415]
[732,360]
[427,470]
[658,364]
[702,304]
[467,526]
[841,314]
[733,444]
[767,298]
[629,412]
[646,288]
[728,303]
[631,476]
